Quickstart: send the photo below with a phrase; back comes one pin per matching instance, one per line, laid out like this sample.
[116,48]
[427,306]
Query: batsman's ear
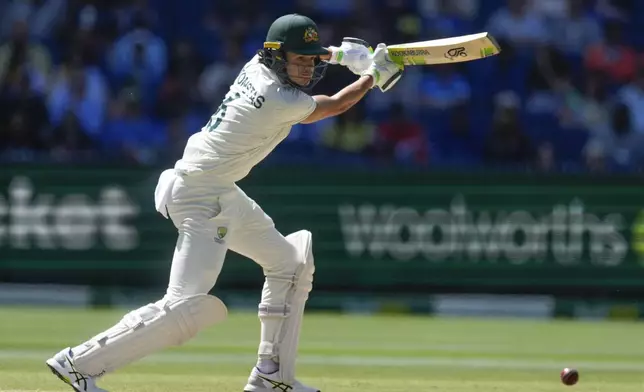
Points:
[326,57]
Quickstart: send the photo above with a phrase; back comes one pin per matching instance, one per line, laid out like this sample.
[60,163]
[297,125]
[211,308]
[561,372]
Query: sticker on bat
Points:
[487,52]
[456,52]
[408,52]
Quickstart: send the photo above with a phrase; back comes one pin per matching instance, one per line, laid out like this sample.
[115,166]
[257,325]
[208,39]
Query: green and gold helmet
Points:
[293,33]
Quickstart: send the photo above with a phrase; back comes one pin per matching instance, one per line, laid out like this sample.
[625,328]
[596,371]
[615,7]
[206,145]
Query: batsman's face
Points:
[300,68]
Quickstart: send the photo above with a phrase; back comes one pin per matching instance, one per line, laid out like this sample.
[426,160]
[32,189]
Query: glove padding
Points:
[353,53]
[385,72]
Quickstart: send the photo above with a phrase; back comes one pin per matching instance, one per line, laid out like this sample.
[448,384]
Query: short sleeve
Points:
[294,106]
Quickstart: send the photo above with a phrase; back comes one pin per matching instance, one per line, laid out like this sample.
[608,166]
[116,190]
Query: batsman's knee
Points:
[293,284]
[303,243]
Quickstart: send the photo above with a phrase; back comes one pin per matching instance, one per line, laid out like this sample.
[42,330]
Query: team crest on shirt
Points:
[310,35]
[221,233]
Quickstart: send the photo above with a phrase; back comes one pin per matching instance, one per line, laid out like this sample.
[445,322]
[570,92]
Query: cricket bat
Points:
[446,50]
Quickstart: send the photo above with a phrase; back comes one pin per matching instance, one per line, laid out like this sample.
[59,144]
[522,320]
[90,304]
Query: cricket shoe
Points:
[62,365]
[261,382]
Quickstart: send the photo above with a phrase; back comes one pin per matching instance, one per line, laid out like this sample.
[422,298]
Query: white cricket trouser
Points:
[212,218]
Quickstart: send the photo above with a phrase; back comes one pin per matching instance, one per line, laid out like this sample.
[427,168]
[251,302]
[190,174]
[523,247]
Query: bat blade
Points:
[446,50]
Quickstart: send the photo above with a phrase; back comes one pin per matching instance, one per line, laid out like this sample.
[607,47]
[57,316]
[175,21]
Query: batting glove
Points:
[353,53]
[385,72]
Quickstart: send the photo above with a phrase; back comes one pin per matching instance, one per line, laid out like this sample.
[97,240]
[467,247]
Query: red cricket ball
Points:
[569,376]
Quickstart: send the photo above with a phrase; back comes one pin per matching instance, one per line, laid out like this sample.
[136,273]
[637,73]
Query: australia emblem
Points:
[310,35]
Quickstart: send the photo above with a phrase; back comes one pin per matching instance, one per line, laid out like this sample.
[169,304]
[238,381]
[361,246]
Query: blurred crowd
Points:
[129,81]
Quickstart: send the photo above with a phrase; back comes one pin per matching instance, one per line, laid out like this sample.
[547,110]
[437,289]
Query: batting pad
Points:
[282,308]
[146,330]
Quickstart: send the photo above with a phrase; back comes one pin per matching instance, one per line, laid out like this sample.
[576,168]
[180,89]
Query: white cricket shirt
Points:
[255,116]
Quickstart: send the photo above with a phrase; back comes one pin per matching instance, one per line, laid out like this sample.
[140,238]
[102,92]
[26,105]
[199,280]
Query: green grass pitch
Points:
[346,353]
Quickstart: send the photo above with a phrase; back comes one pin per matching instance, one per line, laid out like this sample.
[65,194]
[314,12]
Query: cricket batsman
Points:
[212,214]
